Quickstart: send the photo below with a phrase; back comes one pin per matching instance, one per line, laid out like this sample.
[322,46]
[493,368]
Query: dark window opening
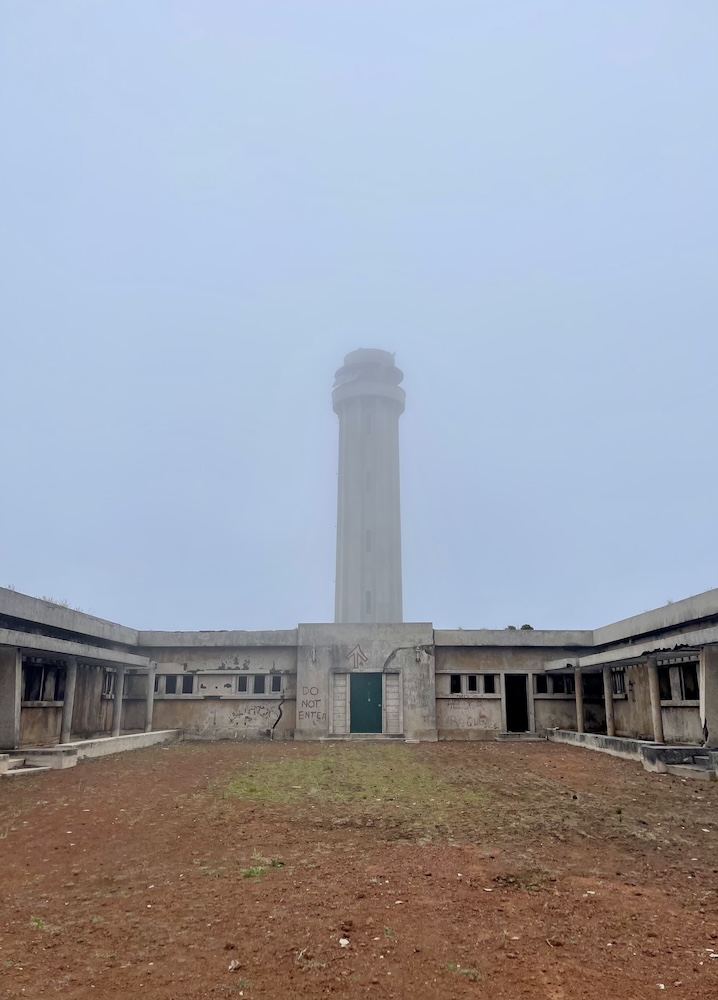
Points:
[473,682]
[618,680]
[455,684]
[241,684]
[276,683]
[593,687]
[689,682]
[43,682]
[541,684]
[562,683]
[259,684]
[32,682]
[664,683]
[187,684]
[157,683]
[489,683]
[171,684]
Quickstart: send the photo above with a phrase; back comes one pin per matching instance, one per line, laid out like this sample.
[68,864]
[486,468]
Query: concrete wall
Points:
[227,719]
[40,727]
[91,713]
[10,695]
[468,718]
[554,712]
[326,651]
[682,724]
[632,712]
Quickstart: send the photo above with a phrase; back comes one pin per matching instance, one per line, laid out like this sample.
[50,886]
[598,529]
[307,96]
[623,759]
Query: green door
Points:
[365,703]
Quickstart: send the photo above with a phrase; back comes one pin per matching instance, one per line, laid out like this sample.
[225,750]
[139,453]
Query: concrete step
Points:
[14,772]
[523,737]
[15,762]
[690,771]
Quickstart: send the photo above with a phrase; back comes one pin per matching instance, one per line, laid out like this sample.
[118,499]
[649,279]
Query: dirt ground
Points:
[304,870]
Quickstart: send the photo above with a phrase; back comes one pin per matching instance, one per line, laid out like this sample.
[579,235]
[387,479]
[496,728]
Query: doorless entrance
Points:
[517,706]
[365,703]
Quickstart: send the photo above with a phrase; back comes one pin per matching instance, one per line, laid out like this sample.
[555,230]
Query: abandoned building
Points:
[68,677]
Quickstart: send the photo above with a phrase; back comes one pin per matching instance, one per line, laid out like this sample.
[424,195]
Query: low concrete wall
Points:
[68,754]
[617,746]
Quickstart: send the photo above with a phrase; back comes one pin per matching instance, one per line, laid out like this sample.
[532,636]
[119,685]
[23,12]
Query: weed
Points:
[470,973]
[38,923]
[256,871]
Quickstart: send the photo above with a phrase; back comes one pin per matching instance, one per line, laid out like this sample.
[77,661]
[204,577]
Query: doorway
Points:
[517,704]
[365,703]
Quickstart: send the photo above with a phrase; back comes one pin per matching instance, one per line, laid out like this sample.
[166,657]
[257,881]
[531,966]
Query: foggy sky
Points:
[207,203]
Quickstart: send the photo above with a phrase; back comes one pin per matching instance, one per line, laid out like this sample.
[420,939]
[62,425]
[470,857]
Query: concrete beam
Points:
[31,643]
[692,609]
[222,640]
[580,639]
[39,612]
[636,651]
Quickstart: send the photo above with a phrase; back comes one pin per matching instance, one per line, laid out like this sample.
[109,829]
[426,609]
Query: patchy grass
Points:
[380,786]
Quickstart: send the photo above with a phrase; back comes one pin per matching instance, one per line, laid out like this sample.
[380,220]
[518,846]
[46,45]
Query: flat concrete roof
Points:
[510,637]
[222,639]
[691,609]
[39,612]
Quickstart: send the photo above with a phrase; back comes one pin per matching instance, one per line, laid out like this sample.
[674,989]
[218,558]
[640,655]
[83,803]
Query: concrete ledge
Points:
[4,761]
[68,754]
[617,746]
[56,757]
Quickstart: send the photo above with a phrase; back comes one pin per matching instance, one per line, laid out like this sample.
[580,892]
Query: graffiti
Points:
[310,707]
[253,714]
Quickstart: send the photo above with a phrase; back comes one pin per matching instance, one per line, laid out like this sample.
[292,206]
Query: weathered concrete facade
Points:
[66,676]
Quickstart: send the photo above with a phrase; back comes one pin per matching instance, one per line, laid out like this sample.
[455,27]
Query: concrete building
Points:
[631,687]
[368,399]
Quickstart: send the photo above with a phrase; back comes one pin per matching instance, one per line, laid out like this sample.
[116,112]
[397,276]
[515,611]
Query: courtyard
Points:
[279,870]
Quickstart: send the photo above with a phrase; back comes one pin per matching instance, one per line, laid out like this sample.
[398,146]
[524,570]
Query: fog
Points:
[208,204]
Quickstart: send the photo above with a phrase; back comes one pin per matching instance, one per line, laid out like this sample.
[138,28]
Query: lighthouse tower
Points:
[368,399]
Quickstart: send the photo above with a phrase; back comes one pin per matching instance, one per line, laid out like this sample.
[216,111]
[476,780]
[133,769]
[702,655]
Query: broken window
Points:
[242,684]
[276,683]
[171,684]
[259,684]
[541,684]
[157,682]
[689,682]
[455,684]
[562,684]
[664,683]
[43,682]
[618,680]
[489,683]
[473,682]
[108,683]
[187,684]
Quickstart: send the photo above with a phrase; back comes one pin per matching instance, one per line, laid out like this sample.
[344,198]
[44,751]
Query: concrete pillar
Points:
[580,725]
[10,697]
[708,685]
[69,702]
[150,703]
[655,692]
[117,707]
[608,698]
